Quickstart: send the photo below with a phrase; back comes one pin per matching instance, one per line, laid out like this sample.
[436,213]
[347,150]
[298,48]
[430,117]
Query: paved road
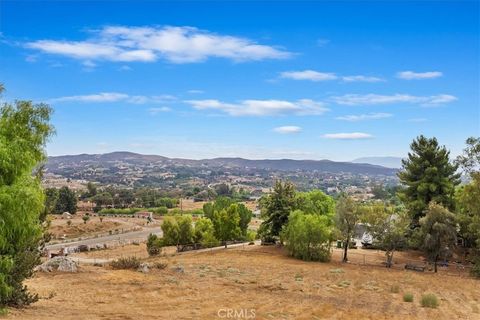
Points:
[143,234]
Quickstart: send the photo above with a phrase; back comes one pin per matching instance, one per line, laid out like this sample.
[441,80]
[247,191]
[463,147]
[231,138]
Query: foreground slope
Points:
[260,278]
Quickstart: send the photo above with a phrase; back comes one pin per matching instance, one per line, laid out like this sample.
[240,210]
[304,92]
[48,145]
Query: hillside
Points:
[126,168]
[388,162]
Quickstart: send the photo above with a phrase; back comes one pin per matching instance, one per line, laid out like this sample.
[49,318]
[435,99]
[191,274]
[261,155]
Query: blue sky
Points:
[303,80]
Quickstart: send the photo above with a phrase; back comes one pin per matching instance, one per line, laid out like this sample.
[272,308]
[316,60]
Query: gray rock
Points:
[62,264]
[144,268]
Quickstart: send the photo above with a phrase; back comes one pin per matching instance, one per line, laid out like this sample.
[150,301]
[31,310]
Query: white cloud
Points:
[411,75]
[313,75]
[348,136]
[262,107]
[360,78]
[113,97]
[361,117]
[154,111]
[195,91]
[98,97]
[148,44]
[287,129]
[377,99]
[308,75]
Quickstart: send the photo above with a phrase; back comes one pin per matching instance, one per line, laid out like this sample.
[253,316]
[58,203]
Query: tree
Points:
[85,218]
[223,189]
[226,224]
[66,201]
[91,191]
[467,200]
[24,131]
[177,231]
[245,218]
[315,202]
[470,159]
[204,233]
[437,232]
[346,219]
[276,208]
[51,198]
[387,228]
[427,175]
[308,236]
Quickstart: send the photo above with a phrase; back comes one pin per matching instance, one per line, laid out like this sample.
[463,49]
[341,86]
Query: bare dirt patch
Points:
[260,278]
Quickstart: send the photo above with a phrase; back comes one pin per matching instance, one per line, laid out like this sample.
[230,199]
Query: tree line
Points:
[222,221]
[432,211]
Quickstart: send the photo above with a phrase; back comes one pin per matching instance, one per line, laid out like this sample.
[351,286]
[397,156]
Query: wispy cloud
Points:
[360,78]
[148,44]
[154,111]
[113,97]
[322,42]
[348,136]
[362,117]
[195,91]
[411,75]
[308,75]
[262,107]
[287,129]
[377,99]
[312,75]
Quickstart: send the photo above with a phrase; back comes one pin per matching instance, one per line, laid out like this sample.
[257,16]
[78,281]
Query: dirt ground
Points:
[255,282]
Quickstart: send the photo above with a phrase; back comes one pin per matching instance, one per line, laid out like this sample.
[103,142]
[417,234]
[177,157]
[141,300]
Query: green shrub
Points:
[429,300]
[251,235]
[132,263]
[475,271]
[408,297]
[154,245]
[308,236]
[160,210]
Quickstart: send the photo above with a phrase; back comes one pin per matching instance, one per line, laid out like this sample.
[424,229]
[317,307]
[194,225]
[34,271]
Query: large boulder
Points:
[62,264]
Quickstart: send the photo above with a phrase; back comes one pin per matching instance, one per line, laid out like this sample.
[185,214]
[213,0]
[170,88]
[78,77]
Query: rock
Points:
[144,268]
[62,264]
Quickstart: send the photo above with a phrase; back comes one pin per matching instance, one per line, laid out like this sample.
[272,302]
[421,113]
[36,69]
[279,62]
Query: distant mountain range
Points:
[388,162]
[107,159]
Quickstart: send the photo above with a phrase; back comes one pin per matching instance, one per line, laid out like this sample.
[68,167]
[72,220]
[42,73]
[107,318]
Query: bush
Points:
[408,297]
[475,271]
[429,300]
[154,245]
[308,236]
[160,210]
[126,263]
[395,288]
[251,235]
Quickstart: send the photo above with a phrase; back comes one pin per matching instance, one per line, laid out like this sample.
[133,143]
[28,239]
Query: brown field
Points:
[264,279]
[59,227]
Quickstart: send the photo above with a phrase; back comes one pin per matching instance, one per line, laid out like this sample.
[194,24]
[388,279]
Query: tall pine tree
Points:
[427,175]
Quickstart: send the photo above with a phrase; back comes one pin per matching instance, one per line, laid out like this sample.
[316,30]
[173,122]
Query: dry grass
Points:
[260,278]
